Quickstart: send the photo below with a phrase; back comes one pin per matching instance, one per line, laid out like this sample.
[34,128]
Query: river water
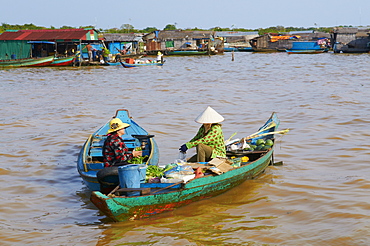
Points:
[320,196]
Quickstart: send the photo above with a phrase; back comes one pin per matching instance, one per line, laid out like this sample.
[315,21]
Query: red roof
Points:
[65,34]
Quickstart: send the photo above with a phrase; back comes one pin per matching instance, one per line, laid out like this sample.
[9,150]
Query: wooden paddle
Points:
[268,133]
[168,187]
[271,125]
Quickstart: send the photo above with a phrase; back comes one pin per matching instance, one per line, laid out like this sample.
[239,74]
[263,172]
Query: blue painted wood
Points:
[121,208]
[307,47]
[90,159]
[129,65]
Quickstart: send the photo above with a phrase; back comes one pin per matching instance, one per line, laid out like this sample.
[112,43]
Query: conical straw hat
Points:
[209,116]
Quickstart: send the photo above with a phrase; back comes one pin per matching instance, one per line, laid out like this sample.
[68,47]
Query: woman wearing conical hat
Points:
[209,141]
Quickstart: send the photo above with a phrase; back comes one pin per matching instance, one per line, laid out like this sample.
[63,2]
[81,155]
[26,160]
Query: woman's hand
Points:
[183,148]
[136,153]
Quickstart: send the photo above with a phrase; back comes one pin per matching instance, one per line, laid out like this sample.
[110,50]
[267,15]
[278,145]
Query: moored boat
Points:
[306,47]
[141,64]
[90,159]
[220,176]
[187,52]
[63,61]
[28,62]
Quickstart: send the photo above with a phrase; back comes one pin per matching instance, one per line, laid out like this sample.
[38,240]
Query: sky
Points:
[203,14]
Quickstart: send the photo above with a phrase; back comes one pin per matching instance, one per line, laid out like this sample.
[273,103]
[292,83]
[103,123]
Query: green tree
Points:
[127,28]
[67,27]
[170,27]
[149,29]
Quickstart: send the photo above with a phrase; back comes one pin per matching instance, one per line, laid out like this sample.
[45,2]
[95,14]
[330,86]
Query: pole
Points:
[80,54]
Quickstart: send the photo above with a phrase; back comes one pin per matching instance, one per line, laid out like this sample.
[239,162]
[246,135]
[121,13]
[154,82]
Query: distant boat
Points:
[245,49]
[187,52]
[144,64]
[306,47]
[63,61]
[28,62]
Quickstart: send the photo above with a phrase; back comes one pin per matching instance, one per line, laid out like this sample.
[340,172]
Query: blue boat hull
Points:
[90,159]
[129,65]
[306,47]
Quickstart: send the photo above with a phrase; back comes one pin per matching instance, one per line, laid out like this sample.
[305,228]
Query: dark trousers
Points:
[204,153]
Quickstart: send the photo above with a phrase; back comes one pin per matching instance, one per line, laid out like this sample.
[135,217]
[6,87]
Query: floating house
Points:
[183,42]
[237,41]
[351,40]
[125,43]
[273,42]
[17,44]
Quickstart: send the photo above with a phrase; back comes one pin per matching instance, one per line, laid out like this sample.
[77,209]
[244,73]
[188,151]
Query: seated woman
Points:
[209,141]
[115,151]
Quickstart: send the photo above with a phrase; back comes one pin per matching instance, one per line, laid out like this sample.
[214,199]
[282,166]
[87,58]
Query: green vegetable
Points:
[269,142]
[137,160]
[153,171]
[260,141]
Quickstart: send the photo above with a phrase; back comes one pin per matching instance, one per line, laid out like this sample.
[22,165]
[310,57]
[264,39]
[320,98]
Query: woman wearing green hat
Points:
[209,141]
[115,151]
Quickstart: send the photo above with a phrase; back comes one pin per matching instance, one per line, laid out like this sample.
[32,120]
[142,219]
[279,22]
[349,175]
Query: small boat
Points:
[244,49]
[155,198]
[228,48]
[63,61]
[141,64]
[187,52]
[27,62]
[306,47]
[90,159]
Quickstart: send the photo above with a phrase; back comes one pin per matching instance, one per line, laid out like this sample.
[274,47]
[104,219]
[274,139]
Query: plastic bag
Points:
[179,170]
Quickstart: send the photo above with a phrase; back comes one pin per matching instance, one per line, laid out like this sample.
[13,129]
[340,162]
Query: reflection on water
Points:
[316,198]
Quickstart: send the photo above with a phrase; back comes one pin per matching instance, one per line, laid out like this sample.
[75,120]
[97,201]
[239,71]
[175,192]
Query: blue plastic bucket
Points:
[142,169]
[129,177]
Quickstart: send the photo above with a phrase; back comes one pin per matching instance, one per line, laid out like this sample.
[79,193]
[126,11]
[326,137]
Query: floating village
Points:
[88,47]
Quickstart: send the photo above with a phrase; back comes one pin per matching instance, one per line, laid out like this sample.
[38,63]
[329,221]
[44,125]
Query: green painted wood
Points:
[121,208]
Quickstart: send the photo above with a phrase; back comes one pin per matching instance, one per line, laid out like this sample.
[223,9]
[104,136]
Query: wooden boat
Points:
[90,159]
[63,61]
[306,47]
[187,52]
[143,64]
[156,198]
[28,62]
[245,49]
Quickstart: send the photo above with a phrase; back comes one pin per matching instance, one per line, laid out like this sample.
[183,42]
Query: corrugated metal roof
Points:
[123,37]
[235,34]
[65,34]
[179,34]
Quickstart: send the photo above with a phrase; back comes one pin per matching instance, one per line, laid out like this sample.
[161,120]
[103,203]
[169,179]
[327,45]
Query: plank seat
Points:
[143,191]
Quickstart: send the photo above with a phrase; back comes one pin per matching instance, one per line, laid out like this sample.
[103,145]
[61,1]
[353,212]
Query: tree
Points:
[149,29]
[67,27]
[170,27]
[127,27]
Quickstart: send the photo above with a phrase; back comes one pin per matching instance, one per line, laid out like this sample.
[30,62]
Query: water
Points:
[318,197]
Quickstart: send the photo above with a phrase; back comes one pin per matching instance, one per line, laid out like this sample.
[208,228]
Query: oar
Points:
[268,133]
[271,125]
[168,187]
[232,135]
